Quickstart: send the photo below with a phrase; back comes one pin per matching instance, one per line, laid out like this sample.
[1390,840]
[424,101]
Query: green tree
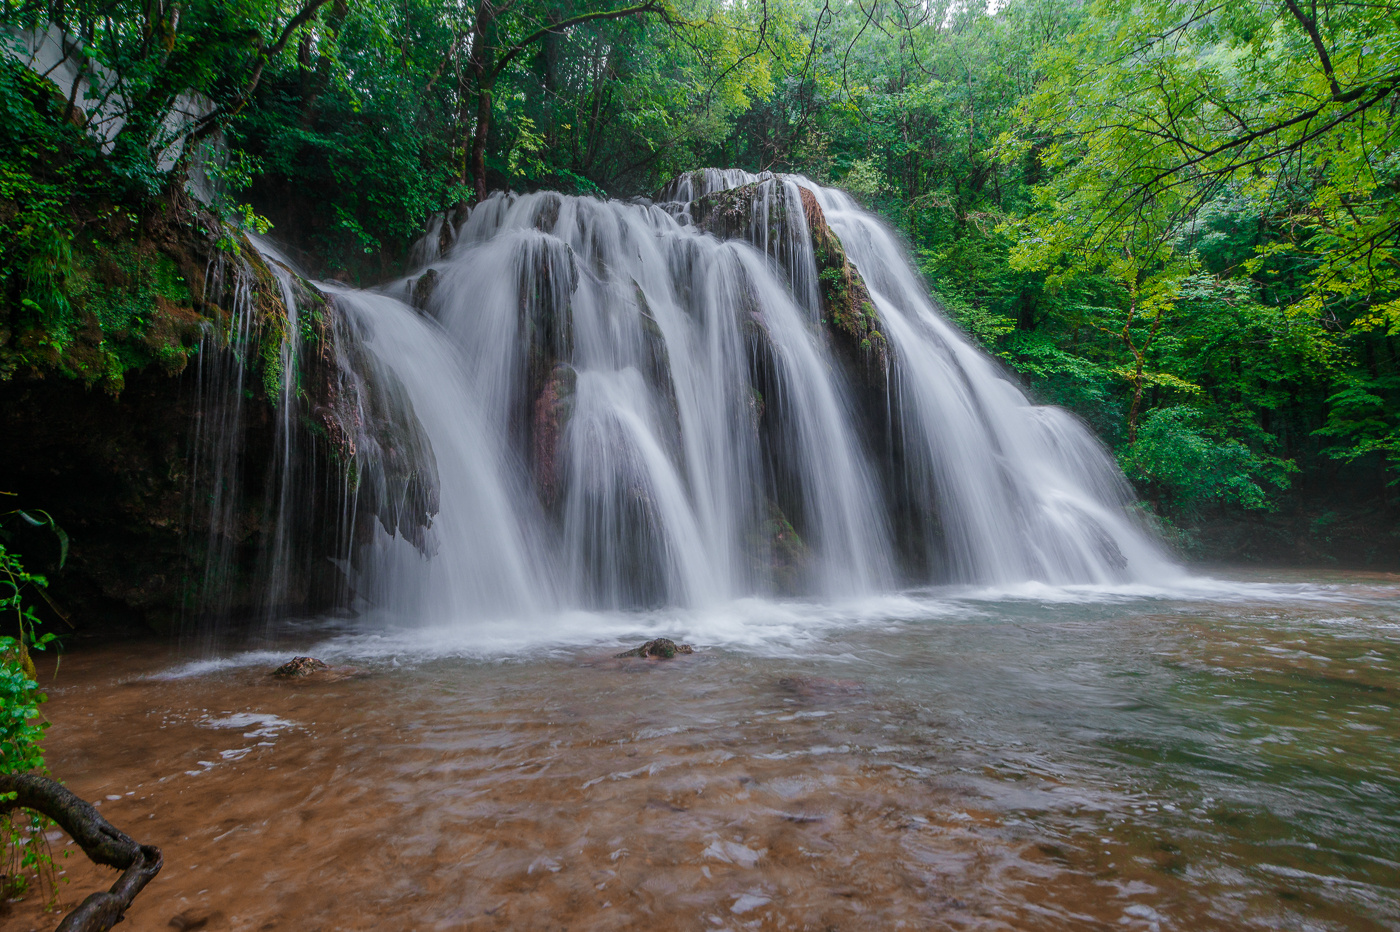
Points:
[1153,116]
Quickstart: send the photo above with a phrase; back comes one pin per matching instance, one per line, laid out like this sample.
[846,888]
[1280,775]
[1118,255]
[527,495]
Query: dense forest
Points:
[1179,220]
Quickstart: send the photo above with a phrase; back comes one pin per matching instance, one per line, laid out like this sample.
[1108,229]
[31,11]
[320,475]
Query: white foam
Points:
[753,626]
[205,666]
[267,725]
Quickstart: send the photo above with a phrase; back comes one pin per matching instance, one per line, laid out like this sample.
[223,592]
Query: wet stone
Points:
[301,666]
[660,648]
[192,919]
[423,289]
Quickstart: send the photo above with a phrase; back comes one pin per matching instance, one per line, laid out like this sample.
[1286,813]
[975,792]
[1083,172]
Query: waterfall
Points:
[628,404]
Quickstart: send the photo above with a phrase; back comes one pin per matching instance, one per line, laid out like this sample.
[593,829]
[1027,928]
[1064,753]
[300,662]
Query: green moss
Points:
[125,307]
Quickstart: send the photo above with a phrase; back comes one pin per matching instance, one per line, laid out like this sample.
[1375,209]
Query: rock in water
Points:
[664,648]
[301,666]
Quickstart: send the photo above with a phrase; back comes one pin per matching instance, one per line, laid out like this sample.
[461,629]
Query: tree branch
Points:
[1310,27]
[651,6]
[100,841]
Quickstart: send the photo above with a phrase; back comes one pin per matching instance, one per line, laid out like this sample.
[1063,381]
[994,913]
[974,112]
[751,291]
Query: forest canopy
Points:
[1179,219]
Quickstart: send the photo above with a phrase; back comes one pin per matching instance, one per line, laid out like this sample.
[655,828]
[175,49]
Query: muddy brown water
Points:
[1102,761]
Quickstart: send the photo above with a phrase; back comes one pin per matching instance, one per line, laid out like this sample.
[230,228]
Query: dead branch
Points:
[100,840]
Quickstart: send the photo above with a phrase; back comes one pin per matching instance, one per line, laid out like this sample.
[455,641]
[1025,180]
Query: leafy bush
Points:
[1363,420]
[1188,464]
[20,698]
[21,729]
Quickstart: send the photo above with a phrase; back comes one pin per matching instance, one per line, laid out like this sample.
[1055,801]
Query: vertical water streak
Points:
[217,444]
[284,474]
[476,558]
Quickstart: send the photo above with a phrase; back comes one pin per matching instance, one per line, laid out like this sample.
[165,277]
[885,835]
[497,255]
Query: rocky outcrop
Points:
[758,213]
[847,311]
[178,444]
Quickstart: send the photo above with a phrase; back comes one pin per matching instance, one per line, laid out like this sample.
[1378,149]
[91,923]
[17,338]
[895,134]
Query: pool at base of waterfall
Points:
[1216,754]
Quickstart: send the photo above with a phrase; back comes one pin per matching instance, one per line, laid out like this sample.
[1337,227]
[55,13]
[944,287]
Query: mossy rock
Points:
[660,649]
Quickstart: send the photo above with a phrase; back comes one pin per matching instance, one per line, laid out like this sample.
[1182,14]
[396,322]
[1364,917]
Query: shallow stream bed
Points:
[1222,756]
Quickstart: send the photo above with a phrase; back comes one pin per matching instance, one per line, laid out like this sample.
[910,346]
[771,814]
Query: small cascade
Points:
[1007,490]
[284,466]
[423,449]
[982,485]
[264,488]
[217,448]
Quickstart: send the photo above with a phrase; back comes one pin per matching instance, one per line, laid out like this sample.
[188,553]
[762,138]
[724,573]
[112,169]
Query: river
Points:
[1224,754]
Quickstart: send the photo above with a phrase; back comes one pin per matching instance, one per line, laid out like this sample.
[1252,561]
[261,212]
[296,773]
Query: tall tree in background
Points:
[498,39]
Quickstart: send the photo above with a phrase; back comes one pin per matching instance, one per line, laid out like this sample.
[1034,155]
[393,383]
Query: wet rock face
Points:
[368,421]
[729,214]
[552,409]
[423,289]
[117,474]
[758,213]
[846,306]
[167,484]
[112,471]
[788,553]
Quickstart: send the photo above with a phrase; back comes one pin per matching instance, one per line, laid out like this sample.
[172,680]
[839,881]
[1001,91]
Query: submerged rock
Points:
[301,666]
[661,648]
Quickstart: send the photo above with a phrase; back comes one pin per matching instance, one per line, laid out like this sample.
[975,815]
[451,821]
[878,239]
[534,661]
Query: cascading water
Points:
[280,496]
[1024,491]
[216,448]
[622,409]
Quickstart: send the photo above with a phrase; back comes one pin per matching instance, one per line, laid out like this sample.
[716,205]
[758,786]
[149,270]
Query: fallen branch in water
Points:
[100,841]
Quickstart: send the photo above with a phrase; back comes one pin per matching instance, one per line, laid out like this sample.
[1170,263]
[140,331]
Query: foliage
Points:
[81,293]
[367,124]
[21,836]
[19,706]
[15,580]
[1181,220]
[1239,162]
[1190,465]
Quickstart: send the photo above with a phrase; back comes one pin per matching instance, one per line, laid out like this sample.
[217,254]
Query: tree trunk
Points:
[483,68]
[483,126]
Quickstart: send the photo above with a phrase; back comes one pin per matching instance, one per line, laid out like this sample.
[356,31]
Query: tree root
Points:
[100,841]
